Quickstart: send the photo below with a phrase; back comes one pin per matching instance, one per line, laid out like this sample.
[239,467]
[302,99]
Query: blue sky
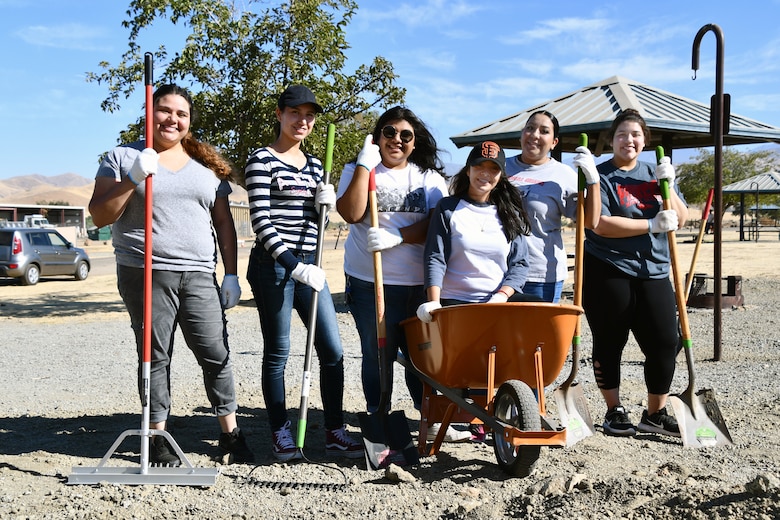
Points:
[463,63]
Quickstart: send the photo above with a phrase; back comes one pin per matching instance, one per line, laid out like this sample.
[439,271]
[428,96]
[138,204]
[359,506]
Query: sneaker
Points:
[235,444]
[339,443]
[659,422]
[451,435]
[616,422]
[162,454]
[284,446]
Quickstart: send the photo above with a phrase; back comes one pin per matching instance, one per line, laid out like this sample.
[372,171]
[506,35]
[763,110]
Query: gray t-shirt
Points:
[183,238]
[631,194]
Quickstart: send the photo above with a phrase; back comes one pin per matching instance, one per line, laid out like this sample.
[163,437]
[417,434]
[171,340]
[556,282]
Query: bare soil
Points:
[68,391]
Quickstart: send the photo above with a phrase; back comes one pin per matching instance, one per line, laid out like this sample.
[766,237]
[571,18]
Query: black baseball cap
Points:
[487,151]
[295,95]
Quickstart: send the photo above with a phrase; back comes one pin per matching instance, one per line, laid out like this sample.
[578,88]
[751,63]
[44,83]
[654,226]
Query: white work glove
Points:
[145,164]
[665,170]
[309,274]
[325,195]
[369,156]
[665,220]
[424,311]
[381,238]
[231,291]
[498,297]
[584,161]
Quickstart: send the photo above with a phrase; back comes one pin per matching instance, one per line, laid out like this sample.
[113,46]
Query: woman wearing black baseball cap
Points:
[286,191]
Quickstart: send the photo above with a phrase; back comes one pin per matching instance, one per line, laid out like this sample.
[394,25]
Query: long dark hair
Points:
[508,201]
[426,153]
[204,153]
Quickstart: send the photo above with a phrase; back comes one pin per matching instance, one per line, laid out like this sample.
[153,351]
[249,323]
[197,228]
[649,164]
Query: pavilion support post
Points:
[717,127]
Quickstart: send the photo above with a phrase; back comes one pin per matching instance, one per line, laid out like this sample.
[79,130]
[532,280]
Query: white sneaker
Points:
[451,435]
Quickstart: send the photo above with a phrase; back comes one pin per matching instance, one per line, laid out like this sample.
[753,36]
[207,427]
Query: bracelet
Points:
[502,291]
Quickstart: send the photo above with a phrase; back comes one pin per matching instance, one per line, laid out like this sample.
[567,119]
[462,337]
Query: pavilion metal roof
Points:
[675,122]
[763,183]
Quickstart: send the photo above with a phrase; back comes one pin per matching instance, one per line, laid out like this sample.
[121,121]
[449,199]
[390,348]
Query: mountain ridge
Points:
[70,188]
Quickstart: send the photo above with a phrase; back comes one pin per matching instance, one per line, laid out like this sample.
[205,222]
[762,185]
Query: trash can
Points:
[95,233]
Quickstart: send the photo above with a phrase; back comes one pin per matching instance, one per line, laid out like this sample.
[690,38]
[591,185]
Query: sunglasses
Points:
[406,135]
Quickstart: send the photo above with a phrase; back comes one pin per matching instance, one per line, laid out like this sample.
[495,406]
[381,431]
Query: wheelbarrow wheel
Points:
[515,404]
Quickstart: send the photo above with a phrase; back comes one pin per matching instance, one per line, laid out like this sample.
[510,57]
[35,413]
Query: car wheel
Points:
[82,271]
[31,275]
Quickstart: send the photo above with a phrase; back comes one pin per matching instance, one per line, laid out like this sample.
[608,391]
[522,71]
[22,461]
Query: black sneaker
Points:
[660,422]
[235,444]
[616,422]
[161,453]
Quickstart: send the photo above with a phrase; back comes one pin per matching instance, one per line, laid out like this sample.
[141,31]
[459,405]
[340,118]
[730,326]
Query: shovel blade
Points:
[700,420]
[387,440]
[575,416]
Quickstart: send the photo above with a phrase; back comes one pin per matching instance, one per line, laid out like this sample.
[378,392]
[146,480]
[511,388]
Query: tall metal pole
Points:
[717,125]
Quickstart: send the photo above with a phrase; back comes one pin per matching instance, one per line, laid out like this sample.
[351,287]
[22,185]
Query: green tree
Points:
[236,62]
[696,178]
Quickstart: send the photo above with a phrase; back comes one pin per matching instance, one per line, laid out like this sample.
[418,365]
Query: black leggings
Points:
[616,303]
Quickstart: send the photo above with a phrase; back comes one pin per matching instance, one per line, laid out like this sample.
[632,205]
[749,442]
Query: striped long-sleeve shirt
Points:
[281,204]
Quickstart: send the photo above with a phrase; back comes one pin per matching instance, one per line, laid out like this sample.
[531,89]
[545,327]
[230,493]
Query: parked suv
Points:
[29,253]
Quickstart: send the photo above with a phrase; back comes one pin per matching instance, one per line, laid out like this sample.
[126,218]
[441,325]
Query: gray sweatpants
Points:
[189,299]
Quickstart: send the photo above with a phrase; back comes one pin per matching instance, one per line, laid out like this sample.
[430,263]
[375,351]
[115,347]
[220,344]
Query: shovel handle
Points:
[379,296]
[678,284]
[578,257]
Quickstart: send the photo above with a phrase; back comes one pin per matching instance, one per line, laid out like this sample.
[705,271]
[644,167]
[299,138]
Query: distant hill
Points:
[68,187]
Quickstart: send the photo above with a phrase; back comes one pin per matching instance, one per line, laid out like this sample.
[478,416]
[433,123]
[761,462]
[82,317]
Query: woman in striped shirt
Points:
[286,192]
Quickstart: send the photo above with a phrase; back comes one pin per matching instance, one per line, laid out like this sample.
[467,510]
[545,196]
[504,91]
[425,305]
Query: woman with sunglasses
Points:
[549,190]
[409,183]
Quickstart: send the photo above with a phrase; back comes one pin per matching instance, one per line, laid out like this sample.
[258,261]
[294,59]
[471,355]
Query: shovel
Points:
[704,214]
[145,474]
[700,420]
[312,328]
[386,435]
[572,406]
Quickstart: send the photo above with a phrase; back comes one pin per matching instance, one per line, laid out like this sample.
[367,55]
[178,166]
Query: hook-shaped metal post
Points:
[717,128]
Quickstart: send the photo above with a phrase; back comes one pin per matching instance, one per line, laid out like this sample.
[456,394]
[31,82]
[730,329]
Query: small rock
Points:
[470,492]
[395,473]
[577,481]
[762,484]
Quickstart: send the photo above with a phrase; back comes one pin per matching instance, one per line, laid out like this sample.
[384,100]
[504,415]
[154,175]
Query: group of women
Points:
[493,234]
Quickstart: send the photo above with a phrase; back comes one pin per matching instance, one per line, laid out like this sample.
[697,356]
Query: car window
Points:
[57,240]
[6,238]
[39,239]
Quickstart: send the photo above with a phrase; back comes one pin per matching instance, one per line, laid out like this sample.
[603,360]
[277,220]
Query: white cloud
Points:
[428,14]
[67,36]
[442,61]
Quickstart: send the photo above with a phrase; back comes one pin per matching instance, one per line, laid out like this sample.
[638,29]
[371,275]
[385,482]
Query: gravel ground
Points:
[68,391]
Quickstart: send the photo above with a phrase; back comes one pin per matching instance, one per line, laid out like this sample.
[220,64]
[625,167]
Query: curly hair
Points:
[204,153]
[426,152]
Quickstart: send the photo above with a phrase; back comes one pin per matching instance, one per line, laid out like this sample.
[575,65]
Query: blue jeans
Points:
[547,291]
[276,295]
[189,299]
[401,302]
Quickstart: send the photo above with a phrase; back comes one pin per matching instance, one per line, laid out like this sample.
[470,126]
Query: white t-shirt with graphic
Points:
[404,196]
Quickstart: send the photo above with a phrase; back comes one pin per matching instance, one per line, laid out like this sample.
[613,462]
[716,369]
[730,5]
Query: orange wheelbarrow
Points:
[518,347]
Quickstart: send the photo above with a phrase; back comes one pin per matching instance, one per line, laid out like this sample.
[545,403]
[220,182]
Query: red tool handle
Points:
[147,350]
